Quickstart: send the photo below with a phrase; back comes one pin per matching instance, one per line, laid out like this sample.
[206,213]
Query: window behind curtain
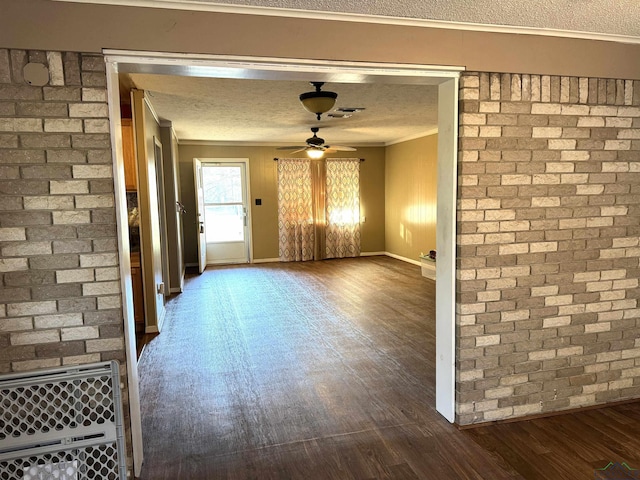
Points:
[295,210]
[342,208]
[318,209]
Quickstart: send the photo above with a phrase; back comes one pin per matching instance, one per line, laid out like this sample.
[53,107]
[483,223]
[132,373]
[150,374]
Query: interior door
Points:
[162,217]
[202,239]
[226,209]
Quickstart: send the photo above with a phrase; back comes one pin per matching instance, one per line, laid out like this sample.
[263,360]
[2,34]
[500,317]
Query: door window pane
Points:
[224,223]
[222,184]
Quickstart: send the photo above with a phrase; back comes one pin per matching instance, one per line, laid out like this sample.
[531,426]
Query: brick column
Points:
[548,251]
[60,301]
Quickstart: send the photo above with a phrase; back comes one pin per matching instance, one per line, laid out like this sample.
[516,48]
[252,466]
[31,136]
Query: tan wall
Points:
[411,197]
[263,176]
[83,27]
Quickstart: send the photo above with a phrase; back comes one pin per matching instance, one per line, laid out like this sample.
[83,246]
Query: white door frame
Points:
[124,254]
[224,66]
[158,155]
[200,225]
[247,186]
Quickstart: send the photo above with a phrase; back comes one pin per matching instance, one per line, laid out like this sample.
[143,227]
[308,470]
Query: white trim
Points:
[113,100]
[237,261]
[176,289]
[157,328]
[247,179]
[428,133]
[162,213]
[150,106]
[372,254]
[265,260]
[203,6]
[446,246]
[404,259]
[265,68]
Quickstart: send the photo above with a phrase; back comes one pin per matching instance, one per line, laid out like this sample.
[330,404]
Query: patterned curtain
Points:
[295,210]
[342,208]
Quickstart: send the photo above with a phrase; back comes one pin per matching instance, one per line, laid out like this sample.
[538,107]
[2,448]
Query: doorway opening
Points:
[446,80]
[225,192]
[162,208]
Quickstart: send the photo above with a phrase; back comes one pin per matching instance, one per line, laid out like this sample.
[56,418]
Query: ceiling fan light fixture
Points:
[318,102]
[315,153]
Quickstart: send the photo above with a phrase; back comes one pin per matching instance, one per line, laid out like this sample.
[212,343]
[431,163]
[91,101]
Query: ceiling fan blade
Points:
[340,148]
[301,150]
[289,147]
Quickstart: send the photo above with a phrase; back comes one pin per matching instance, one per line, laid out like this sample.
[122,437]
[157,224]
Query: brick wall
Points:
[60,300]
[548,229]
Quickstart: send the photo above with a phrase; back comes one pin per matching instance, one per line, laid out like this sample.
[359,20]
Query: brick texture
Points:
[58,269]
[548,244]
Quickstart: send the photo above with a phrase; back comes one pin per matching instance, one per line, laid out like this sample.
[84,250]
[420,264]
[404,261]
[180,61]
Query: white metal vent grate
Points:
[62,424]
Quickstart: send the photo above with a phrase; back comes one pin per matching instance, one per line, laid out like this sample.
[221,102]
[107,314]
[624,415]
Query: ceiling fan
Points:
[316,147]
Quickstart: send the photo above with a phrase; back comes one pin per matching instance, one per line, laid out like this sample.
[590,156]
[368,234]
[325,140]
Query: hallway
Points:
[325,370]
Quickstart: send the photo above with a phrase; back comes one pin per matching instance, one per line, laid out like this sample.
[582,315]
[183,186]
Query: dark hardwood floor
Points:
[325,370]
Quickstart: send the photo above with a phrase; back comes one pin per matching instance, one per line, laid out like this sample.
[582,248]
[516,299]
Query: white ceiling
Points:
[620,17]
[268,111]
[604,17]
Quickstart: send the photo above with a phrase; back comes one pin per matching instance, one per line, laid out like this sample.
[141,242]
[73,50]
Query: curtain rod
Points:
[275,159]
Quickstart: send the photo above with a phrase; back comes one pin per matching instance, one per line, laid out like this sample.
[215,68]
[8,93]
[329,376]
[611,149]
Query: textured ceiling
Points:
[620,17]
[268,111]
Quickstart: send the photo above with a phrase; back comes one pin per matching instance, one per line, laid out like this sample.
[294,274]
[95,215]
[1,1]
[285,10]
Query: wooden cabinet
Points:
[138,292]
[129,152]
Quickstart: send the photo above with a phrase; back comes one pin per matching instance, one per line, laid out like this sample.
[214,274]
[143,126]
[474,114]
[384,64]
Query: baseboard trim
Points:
[362,254]
[265,260]
[404,259]
[537,416]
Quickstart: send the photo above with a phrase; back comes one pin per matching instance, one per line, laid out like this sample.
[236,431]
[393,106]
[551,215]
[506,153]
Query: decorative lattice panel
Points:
[62,424]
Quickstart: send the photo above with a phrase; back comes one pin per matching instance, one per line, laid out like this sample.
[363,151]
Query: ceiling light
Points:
[318,102]
[315,153]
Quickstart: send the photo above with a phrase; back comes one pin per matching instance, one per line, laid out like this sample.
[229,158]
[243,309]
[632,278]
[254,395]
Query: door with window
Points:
[226,212]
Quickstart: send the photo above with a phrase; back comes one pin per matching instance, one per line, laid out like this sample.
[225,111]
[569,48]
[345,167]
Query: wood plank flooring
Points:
[325,370]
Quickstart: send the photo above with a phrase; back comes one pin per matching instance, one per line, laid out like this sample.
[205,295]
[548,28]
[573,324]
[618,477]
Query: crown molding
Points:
[427,133]
[205,6]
